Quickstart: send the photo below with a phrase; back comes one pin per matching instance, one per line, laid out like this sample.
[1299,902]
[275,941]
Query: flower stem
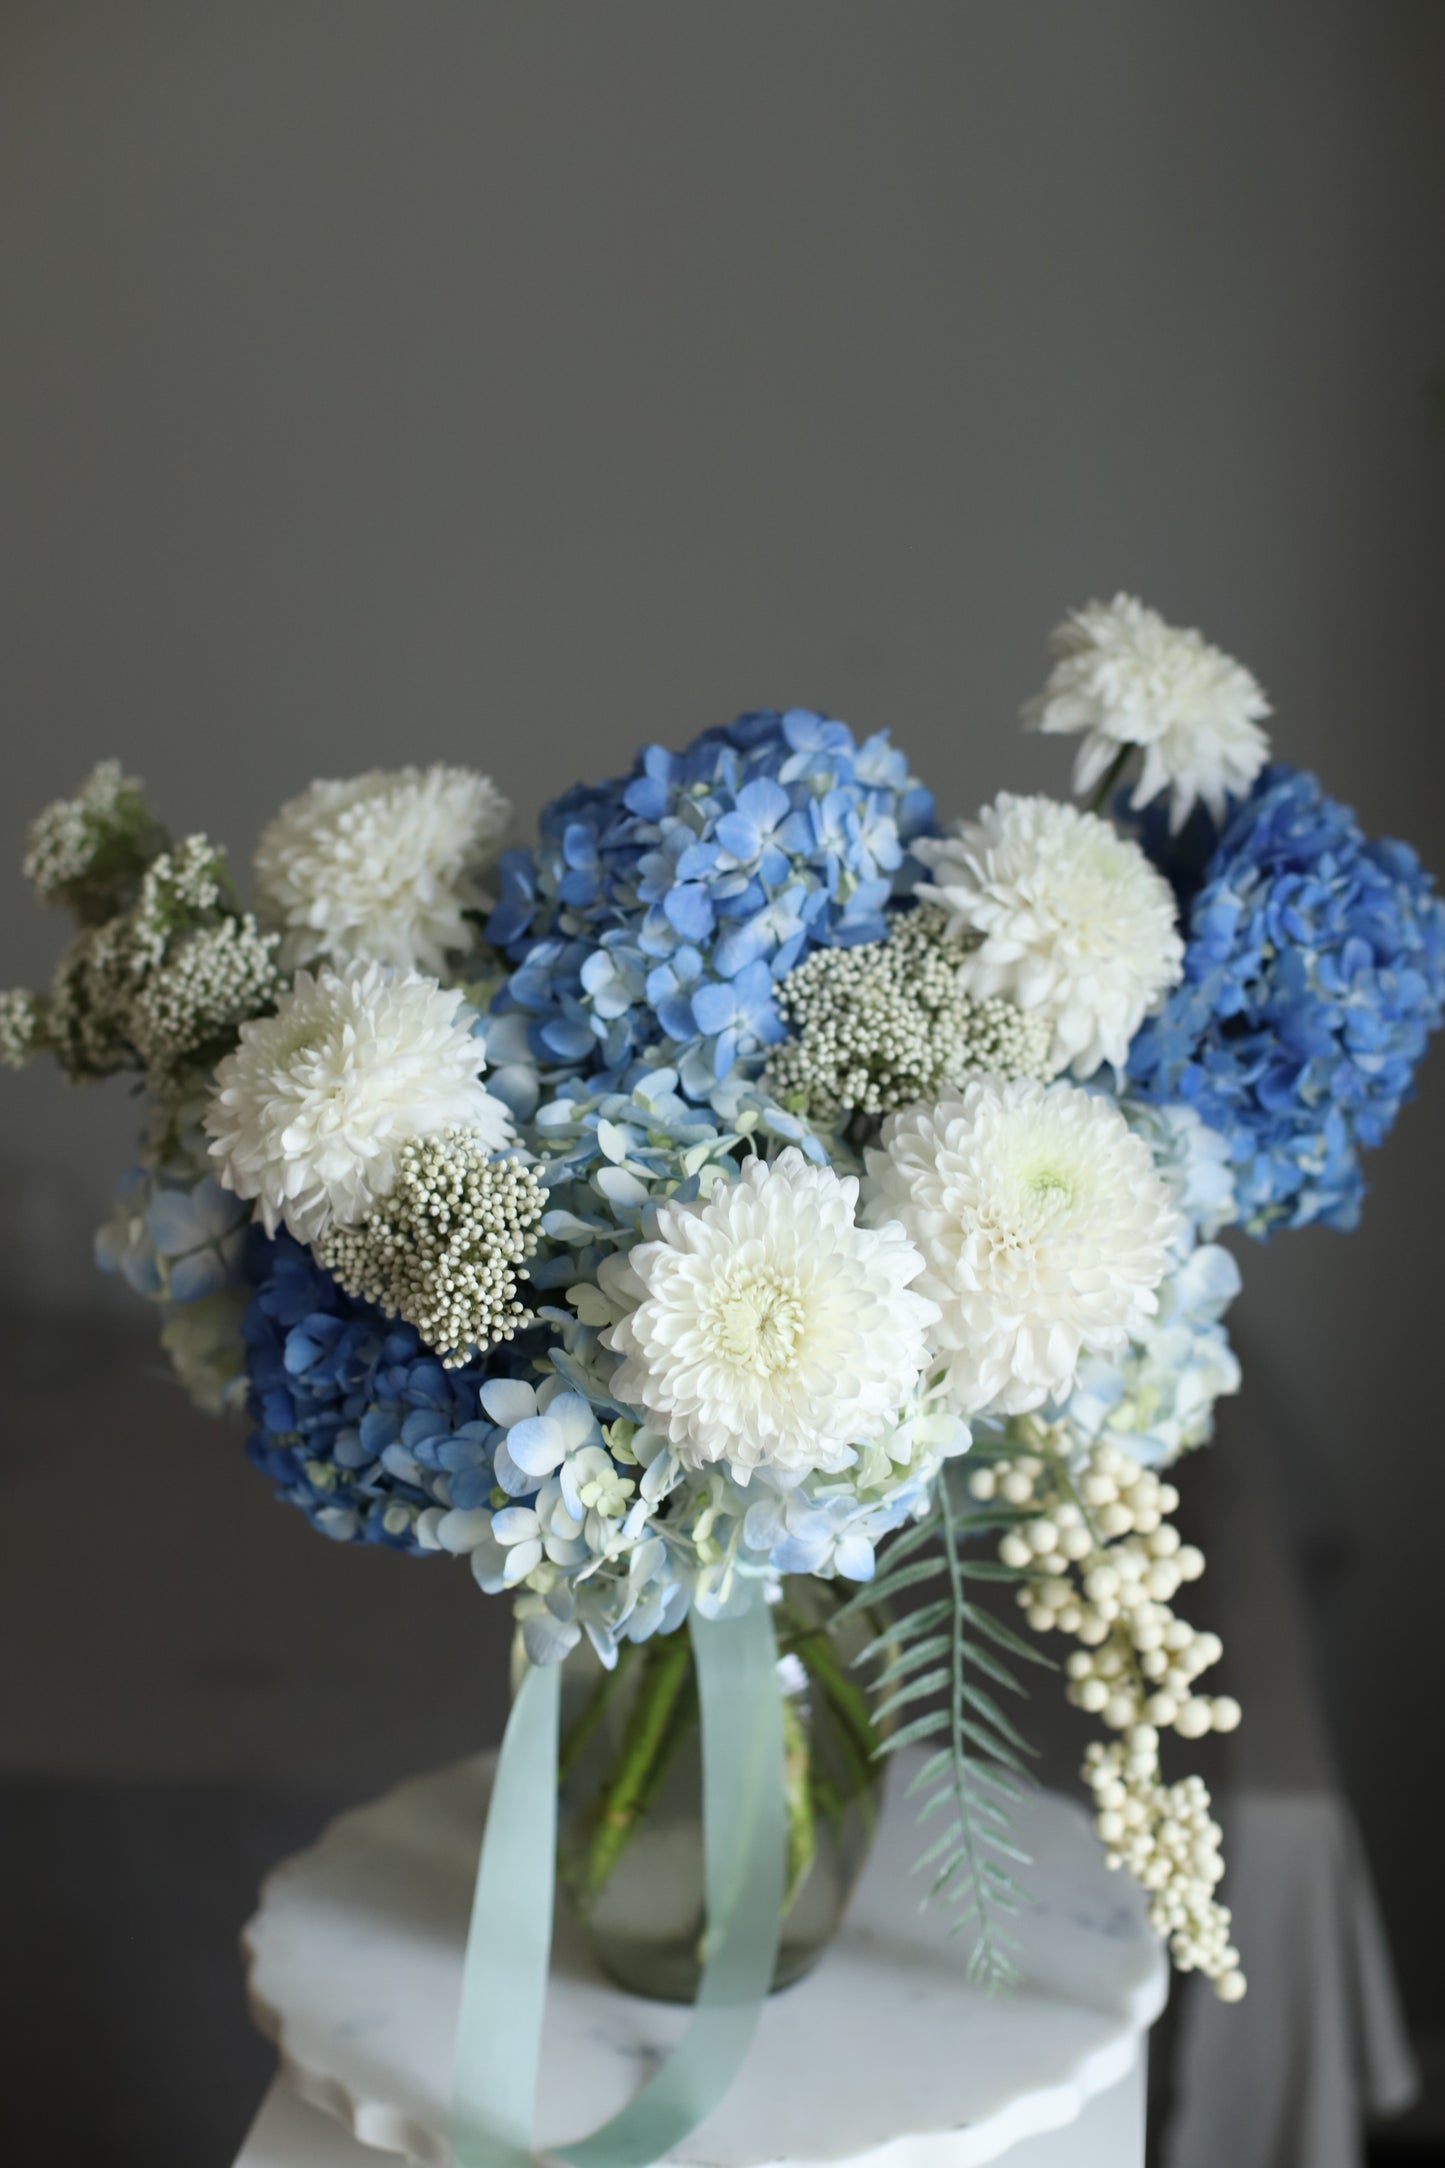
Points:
[596,1708]
[1108,782]
[667,1670]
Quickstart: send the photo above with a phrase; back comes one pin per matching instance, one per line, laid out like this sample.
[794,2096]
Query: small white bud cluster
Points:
[165,981]
[884,1025]
[212,981]
[443,1248]
[22,1026]
[1105,1565]
[89,850]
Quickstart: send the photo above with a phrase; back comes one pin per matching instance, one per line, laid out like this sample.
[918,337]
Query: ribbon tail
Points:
[745,1842]
[509,1941]
[504,1986]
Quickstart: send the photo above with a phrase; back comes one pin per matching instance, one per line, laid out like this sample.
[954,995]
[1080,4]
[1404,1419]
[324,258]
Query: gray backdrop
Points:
[514,384]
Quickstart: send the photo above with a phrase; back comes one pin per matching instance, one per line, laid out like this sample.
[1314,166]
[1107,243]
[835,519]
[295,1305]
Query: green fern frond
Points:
[950,1652]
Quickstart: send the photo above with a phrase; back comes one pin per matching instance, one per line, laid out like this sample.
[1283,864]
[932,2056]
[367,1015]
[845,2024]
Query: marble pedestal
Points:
[884,2054]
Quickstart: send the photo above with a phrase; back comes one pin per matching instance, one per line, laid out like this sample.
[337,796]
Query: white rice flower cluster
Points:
[88,851]
[1123,677]
[444,1247]
[313,1108]
[763,1327]
[1110,1564]
[881,1026]
[22,1026]
[1044,1228]
[1064,917]
[161,984]
[213,980]
[381,867]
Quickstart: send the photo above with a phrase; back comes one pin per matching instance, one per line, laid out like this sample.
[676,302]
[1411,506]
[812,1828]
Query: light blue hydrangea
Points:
[179,1240]
[1157,1400]
[173,1243]
[658,911]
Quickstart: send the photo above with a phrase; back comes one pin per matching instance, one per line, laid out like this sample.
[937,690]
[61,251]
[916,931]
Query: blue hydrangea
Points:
[658,910]
[1313,974]
[355,1418]
[358,1424]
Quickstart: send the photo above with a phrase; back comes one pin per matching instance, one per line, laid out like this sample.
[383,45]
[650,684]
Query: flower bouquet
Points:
[748,1225]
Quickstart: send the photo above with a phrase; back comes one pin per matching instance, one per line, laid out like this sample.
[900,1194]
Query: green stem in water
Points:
[802,1834]
[624,1795]
[597,1704]
[857,1734]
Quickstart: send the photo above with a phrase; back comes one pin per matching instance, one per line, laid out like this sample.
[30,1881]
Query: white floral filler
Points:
[312,1109]
[763,1327]
[774,1179]
[1123,677]
[1068,920]
[383,867]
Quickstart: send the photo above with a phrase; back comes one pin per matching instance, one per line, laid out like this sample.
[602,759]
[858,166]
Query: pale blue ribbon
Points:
[504,1986]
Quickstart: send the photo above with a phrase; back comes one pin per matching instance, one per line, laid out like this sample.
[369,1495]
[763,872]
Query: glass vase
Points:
[630,1841]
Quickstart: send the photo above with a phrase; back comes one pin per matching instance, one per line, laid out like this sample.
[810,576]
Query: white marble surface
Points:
[881,2053]
[1107,2133]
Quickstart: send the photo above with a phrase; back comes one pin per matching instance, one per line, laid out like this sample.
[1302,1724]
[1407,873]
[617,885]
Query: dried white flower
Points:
[1124,677]
[443,1248]
[311,1111]
[880,1026]
[89,851]
[381,867]
[166,983]
[1069,921]
[763,1327]
[22,1026]
[1044,1228]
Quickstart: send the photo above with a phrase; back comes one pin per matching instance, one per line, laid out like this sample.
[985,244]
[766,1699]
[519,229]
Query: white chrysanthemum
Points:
[764,1328]
[381,868]
[1125,677]
[1044,1227]
[312,1109]
[1070,920]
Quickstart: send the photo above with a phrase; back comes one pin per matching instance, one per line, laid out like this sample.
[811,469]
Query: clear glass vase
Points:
[630,1845]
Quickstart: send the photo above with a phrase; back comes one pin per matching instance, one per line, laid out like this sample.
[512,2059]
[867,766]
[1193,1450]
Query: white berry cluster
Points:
[89,850]
[1106,1564]
[884,1025]
[443,1248]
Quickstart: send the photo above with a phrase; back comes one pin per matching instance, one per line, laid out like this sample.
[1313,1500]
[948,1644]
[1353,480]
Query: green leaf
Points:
[926,1651]
[950,1648]
[932,1682]
[921,1621]
[985,1706]
[922,1727]
[984,1622]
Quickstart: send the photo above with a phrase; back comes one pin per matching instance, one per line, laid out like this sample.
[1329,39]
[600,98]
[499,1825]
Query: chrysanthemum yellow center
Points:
[755,1318]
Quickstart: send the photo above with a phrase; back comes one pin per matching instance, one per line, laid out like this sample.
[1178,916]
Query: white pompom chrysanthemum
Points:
[1125,677]
[764,1328]
[381,868]
[311,1110]
[1070,922]
[1044,1228]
